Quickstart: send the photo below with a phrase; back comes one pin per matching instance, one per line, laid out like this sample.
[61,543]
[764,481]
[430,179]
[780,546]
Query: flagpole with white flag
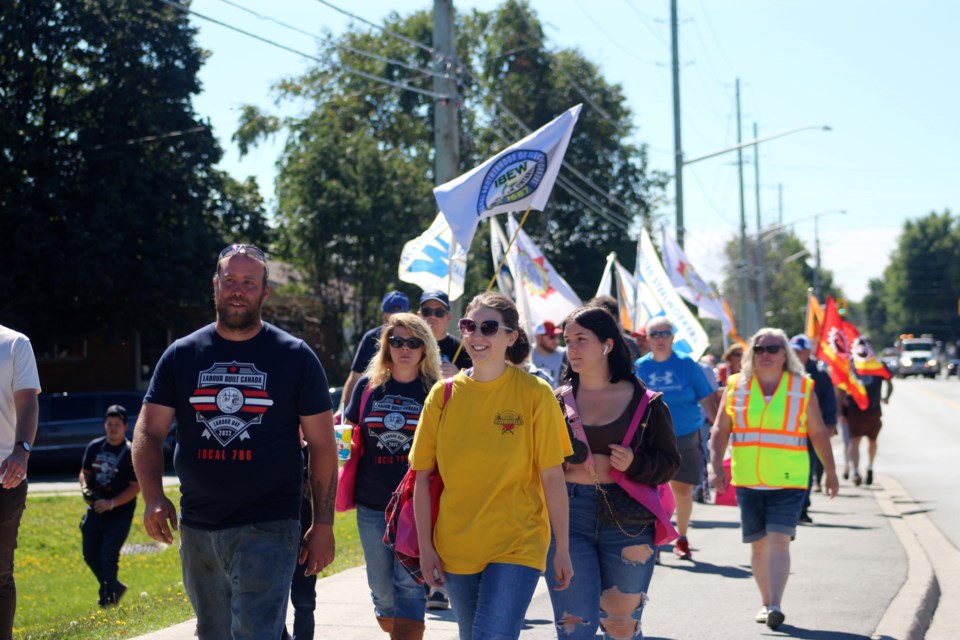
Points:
[690,285]
[521,176]
[434,260]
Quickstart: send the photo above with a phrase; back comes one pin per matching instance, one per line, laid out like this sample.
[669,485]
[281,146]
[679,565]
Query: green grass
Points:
[57,593]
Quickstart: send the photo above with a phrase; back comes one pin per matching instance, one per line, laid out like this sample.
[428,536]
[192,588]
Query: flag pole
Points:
[506,252]
[506,249]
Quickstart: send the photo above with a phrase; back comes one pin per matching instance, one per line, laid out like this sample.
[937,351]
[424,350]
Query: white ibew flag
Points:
[541,293]
[520,176]
[690,285]
[433,260]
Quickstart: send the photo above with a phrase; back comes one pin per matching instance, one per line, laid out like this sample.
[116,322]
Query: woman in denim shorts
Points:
[769,410]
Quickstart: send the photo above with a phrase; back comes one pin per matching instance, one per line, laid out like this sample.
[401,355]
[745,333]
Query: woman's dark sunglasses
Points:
[487,327]
[426,312]
[398,343]
[772,349]
[247,249]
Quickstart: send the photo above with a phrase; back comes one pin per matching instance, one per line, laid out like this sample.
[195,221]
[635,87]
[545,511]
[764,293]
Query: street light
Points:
[744,313]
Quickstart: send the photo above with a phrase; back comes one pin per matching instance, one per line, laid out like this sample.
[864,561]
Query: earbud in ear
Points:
[606,349]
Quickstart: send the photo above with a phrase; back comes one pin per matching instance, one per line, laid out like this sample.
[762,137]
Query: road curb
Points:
[910,612]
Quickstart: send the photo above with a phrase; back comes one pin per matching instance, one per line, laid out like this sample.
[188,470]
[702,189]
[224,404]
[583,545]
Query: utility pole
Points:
[446,140]
[745,315]
[677,147]
[761,261]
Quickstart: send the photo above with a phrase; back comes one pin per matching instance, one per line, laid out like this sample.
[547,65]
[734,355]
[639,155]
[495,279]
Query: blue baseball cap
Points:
[801,342]
[435,294]
[395,302]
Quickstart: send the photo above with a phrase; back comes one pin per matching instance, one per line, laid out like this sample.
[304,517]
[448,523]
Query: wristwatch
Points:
[26,445]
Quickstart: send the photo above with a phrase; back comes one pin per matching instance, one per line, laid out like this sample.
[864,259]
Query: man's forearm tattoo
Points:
[324,500]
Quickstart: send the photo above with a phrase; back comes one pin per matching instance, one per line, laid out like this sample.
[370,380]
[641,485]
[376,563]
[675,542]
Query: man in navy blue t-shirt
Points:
[240,390]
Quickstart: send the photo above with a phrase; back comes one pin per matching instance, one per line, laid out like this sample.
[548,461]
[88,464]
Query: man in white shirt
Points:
[19,412]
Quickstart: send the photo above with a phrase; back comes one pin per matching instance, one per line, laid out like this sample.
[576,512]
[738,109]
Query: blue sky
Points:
[882,74]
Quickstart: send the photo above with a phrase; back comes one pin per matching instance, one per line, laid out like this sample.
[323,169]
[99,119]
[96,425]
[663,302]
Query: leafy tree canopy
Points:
[357,171]
[110,202]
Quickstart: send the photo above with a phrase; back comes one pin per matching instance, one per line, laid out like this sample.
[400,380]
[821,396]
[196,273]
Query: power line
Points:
[393,34]
[361,52]
[607,36]
[151,138]
[645,19]
[399,85]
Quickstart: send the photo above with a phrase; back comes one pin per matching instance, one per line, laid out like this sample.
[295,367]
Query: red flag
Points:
[834,349]
[865,361]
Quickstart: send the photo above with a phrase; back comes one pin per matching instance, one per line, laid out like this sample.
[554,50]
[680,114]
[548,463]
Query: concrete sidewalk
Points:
[850,578]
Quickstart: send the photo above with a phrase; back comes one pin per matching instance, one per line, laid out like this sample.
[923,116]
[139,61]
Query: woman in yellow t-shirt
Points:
[498,444]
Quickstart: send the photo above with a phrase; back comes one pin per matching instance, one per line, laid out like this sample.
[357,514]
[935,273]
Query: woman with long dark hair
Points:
[612,534]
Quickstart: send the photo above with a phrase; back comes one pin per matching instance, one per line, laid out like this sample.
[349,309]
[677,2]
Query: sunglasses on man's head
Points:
[487,327]
[772,349]
[660,334]
[247,249]
[398,343]
[426,312]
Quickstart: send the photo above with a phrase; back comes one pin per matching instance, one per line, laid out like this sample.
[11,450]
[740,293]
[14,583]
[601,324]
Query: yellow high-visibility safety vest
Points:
[770,438]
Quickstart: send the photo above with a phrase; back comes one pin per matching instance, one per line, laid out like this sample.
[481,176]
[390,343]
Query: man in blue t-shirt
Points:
[240,390]
[110,490]
[686,391]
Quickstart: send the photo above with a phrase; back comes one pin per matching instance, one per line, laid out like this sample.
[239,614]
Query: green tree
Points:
[357,171]
[922,281]
[110,203]
[787,279]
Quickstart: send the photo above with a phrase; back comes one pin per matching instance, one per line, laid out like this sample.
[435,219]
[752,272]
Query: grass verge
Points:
[57,593]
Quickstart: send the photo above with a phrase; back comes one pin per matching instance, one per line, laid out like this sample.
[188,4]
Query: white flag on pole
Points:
[690,285]
[429,260]
[545,294]
[520,176]
[498,244]
[690,338]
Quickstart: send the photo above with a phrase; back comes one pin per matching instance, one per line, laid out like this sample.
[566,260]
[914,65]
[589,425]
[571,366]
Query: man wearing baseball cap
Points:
[827,399]
[109,487]
[548,354]
[393,302]
[435,311]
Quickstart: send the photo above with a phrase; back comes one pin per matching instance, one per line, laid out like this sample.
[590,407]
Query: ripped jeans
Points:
[611,574]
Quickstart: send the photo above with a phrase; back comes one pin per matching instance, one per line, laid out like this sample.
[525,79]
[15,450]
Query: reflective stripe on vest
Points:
[769,439]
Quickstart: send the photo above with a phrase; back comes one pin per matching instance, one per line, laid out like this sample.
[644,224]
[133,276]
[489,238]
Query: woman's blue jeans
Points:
[610,570]
[238,579]
[395,594]
[492,604]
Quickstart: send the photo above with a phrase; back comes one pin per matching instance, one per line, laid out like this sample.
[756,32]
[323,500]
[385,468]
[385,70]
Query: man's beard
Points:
[238,319]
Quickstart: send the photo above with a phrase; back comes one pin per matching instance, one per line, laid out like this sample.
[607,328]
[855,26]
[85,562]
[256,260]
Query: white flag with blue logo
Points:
[520,176]
[429,259]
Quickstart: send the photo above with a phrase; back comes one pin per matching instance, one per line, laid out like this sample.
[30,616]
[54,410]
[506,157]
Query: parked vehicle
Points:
[69,421]
[891,358]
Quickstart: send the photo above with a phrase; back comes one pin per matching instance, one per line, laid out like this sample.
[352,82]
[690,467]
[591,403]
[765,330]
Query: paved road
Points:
[920,446]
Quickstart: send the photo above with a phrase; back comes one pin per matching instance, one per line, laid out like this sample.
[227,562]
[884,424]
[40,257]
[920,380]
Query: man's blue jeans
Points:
[103,537]
[492,604]
[606,564]
[238,579]
[12,503]
[395,594]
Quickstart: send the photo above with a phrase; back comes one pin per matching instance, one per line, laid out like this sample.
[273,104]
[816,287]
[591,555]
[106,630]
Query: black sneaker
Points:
[869,480]
[437,600]
[805,518]
[775,617]
[117,595]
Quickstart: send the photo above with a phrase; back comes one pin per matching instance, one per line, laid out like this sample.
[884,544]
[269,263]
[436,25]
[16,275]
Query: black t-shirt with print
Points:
[389,422]
[112,469]
[238,408]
